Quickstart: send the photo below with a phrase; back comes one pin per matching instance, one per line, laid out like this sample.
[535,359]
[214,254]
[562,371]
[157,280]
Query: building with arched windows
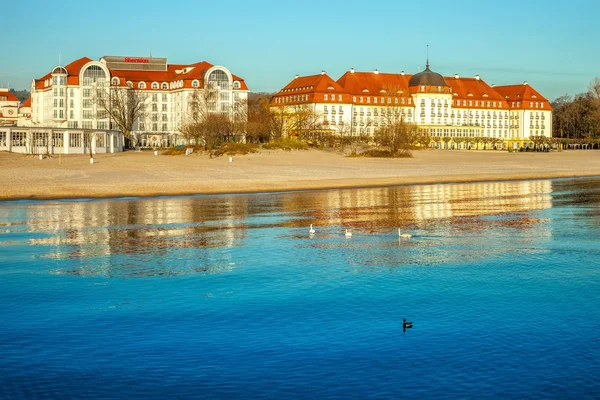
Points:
[92,95]
[454,111]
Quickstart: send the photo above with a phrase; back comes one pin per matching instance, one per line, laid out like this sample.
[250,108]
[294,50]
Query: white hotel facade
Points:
[64,99]
[451,106]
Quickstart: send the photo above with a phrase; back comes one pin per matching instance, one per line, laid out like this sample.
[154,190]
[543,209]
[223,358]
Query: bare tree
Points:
[89,138]
[122,105]
[398,136]
[260,122]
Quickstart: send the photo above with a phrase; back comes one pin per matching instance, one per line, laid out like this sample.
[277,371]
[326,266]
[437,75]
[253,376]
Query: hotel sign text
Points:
[136,60]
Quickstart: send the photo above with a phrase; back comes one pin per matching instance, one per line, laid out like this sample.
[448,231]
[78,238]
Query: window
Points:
[164,127]
[154,85]
[100,139]
[236,85]
[115,81]
[354,99]
[87,103]
[154,127]
[142,85]
[164,118]
[164,86]
[87,114]
[195,84]
[339,97]
[142,126]
[94,75]
[164,97]
[75,139]
[87,92]
[154,97]
[218,79]
[164,107]
[325,97]
[154,107]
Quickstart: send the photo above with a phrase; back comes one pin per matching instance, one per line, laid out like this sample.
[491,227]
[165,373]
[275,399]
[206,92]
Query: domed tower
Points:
[432,97]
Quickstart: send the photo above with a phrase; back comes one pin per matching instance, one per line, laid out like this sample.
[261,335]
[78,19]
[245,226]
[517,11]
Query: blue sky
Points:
[554,45]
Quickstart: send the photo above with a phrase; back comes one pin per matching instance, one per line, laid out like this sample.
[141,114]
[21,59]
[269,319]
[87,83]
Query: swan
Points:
[311,231]
[404,235]
[406,325]
[348,233]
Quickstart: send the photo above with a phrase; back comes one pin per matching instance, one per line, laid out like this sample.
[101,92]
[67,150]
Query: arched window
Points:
[115,81]
[218,79]
[129,85]
[236,85]
[59,70]
[94,74]
[154,85]
[142,85]
[165,86]
[195,84]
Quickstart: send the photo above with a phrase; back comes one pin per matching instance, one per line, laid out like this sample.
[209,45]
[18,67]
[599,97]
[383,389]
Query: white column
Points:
[66,142]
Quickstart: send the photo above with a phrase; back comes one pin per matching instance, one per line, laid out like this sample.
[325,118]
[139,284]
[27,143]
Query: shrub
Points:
[232,149]
[286,144]
[180,150]
[378,153]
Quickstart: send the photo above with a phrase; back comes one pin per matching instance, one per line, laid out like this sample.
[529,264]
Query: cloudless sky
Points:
[554,45]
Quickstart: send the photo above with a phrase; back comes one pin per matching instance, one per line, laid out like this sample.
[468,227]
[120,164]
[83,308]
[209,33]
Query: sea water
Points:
[231,297]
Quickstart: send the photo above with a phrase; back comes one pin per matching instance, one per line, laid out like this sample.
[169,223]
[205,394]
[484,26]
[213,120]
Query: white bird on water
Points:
[311,230]
[404,235]
[348,233]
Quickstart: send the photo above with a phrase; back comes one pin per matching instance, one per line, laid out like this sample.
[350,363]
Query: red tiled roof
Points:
[27,103]
[312,88]
[9,96]
[474,89]
[372,84]
[170,75]
[523,94]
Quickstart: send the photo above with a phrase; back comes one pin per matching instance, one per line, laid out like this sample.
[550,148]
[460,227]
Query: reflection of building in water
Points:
[100,229]
[415,204]
[465,200]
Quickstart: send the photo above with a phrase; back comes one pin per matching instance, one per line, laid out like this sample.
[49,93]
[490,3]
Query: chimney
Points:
[525,83]
[323,72]
[477,77]
[456,76]
[402,73]
[493,85]
[297,76]
[351,70]
[376,72]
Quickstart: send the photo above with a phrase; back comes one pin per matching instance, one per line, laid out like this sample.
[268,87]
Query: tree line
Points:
[578,117]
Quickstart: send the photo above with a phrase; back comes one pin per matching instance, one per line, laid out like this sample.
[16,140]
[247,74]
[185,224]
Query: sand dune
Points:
[143,174]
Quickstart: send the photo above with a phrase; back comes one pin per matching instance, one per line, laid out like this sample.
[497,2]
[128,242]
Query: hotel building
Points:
[442,107]
[9,107]
[66,97]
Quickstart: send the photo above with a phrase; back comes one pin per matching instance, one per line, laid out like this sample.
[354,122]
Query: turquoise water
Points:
[230,297]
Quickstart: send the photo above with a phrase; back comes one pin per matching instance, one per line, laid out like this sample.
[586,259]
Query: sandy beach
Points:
[144,174]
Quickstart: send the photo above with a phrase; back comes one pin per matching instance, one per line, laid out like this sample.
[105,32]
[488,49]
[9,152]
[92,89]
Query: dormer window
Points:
[164,86]
[115,81]
[236,85]
[142,85]
[129,85]
[195,84]
[154,85]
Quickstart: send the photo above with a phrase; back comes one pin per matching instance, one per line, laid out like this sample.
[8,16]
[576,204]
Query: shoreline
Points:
[142,175]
